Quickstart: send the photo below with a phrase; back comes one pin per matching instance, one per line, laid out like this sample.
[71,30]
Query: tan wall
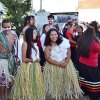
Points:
[88,4]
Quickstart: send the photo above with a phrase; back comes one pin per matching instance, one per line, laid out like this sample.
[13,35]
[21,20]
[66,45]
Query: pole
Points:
[40,5]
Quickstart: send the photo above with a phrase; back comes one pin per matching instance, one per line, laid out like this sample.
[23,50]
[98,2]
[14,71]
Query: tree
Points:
[16,11]
[1,12]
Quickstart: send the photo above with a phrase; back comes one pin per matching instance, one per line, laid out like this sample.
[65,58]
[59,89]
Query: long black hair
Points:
[27,18]
[48,40]
[44,26]
[94,24]
[29,40]
[85,42]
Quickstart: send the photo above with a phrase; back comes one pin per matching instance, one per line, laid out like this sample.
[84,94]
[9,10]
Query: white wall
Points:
[89,15]
[41,19]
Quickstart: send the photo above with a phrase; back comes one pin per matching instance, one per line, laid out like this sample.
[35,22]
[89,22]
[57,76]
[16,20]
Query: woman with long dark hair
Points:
[95,25]
[59,73]
[42,39]
[89,74]
[45,29]
[79,30]
[70,33]
[28,81]
[29,21]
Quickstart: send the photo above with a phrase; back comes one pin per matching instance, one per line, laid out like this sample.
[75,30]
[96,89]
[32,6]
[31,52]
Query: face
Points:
[32,21]
[47,28]
[79,30]
[53,36]
[34,35]
[51,20]
[6,27]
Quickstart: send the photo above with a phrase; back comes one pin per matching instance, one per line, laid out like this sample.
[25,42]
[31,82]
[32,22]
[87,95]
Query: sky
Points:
[56,5]
[66,6]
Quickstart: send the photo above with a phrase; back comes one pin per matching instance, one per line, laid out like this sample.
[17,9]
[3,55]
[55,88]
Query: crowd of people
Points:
[54,64]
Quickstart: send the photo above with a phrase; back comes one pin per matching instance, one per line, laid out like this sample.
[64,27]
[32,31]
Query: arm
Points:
[2,49]
[23,33]
[69,36]
[68,58]
[24,49]
[68,55]
[71,41]
[47,56]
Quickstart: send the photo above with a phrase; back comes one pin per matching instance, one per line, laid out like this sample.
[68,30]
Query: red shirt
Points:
[92,60]
[39,42]
[69,36]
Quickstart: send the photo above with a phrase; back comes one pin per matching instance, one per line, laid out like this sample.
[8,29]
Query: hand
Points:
[38,60]
[31,60]
[64,64]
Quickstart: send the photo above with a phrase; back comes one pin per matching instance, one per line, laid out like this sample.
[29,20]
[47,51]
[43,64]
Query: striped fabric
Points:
[91,86]
[89,79]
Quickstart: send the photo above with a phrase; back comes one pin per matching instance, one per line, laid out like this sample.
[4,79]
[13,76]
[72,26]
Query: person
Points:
[79,30]
[59,73]
[28,83]
[29,21]
[42,39]
[95,25]
[89,74]
[76,38]
[45,29]
[51,22]
[64,30]
[70,36]
[7,63]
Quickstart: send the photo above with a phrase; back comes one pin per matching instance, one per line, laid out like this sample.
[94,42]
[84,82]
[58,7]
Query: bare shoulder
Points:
[48,48]
[24,29]
[24,44]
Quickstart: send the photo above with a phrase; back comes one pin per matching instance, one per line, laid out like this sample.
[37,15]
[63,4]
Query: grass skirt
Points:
[61,82]
[28,83]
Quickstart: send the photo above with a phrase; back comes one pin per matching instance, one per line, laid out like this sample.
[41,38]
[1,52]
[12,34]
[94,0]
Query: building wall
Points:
[88,4]
[88,15]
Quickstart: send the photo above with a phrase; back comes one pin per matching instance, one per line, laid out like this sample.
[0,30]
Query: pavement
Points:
[84,98]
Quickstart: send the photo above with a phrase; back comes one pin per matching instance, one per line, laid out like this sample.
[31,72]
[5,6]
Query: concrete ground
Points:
[84,98]
[81,98]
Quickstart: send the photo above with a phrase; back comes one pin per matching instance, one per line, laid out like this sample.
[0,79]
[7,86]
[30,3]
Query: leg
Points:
[3,92]
[9,91]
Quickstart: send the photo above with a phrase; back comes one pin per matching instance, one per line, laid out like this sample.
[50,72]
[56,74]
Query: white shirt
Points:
[59,52]
[42,39]
[35,54]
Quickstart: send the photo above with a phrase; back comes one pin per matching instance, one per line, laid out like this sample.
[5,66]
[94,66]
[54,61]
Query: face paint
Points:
[6,28]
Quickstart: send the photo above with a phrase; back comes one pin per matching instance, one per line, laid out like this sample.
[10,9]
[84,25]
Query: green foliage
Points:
[16,11]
